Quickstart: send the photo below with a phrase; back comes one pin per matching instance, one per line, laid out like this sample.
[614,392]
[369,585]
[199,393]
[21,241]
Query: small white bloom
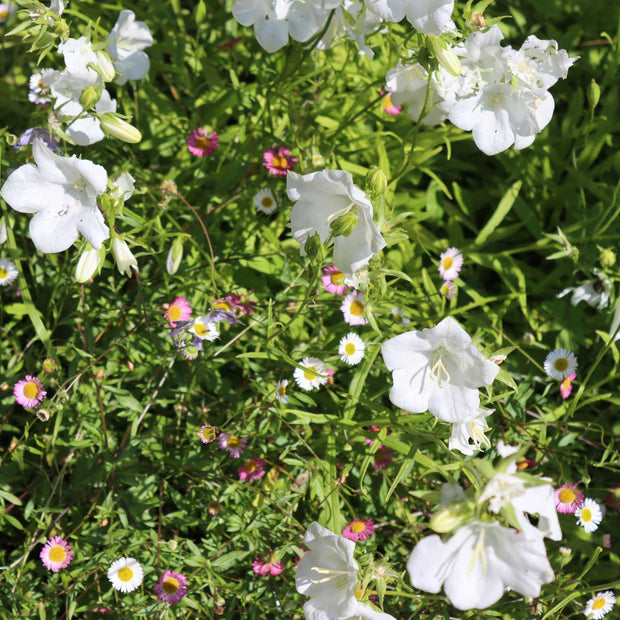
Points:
[589,515]
[450,263]
[281,395]
[399,316]
[351,349]
[478,563]
[265,202]
[125,574]
[437,370]
[311,374]
[205,328]
[594,292]
[40,86]
[560,363]
[600,605]
[125,44]
[8,272]
[323,196]
[6,10]
[122,187]
[62,192]
[472,426]
[353,308]
[125,260]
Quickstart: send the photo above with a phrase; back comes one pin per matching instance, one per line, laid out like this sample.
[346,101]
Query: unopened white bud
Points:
[123,256]
[175,255]
[89,264]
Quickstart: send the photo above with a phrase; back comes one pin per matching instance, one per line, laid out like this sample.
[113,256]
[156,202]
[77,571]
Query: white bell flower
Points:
[328,574]
[62,192]
[386,10]
[471,426]
[429,16]
[122,187]
[323,196]
[78,54]
[437,370]
[478,563]
[125,260]
[126,41]
[594,292]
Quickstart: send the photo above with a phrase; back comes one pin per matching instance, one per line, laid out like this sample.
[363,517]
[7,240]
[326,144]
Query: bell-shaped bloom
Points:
[323,196]
[327,574]
[471,426]
[62,192]
[594,292]
[125,44]
[478,563]
[429,16]
[437,370]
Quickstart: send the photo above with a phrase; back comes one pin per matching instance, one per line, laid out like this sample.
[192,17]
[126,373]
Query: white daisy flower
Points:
[450,263]
[281,396]
[399,316]
[40,86]
[311,374]
[125,574]
[600,605]
[8,272]
[589,515]
[560,363]
[205,329]
[353,307]
[265,202]
[351,349]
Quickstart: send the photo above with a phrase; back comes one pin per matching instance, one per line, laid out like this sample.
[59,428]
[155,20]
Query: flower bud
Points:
[172,545]
[89,264]
[607,258]
[122,187]
[89,97]
[451,517]
[120,129]
[123,257]
[105,68]
[200,12]
[174,256]
[376,182]
[313,246]
[446,56]
[593,94]
[345,224]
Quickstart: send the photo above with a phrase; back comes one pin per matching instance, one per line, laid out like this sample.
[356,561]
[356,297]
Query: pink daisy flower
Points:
[566,387]
[233,443]
[383,457]
[375,429]
[359,529]
[267,566]
[171,588]
[333,280]
[450,263]
[567,499]
[202,143]
[207,433]
[29,392]
[56,554]
[280,161]
[235,303]
[353,307]
[448,289]
[389,107]
[178,310]
[254,469]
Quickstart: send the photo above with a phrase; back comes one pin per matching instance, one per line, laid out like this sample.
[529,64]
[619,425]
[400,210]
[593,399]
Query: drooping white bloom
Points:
[471,426]
[478,563]
[312,373]
[594,292]
[62,192]
[125,44]
[351,349]
[125,260]
[437,370]
[125,574]
[589,515]
[507,489]
[328,574]
[560,363]
[122,187]
[323,196]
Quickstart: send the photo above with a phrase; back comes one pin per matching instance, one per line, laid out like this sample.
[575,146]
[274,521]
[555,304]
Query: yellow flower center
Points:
[282,390]
[170,585]
[233,441]
[599,603]
[201,330]
[125,574]
[208,433]
[349,348]
[222,305]
[3,273]
[586,515]
[174,313]
[566,496]
[358,526]
[387,102]
[267,202]
[57,554]
[279,161]
[31,390]
[337,278]
[203,143]
[356,308]
[310,374]
[561,364]
[4,14]
[446,263]
[358,593]
[249,467]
